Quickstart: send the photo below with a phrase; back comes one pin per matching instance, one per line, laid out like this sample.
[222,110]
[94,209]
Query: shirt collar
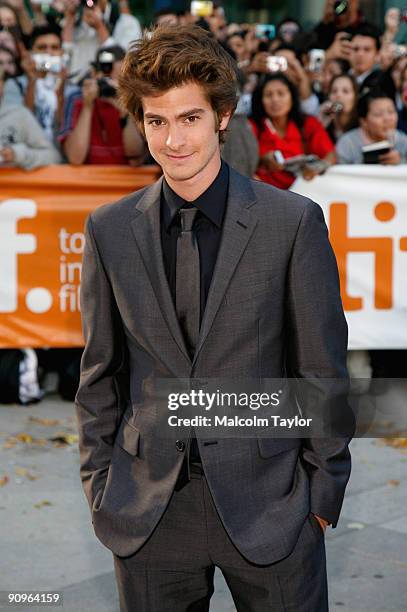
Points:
[211,203]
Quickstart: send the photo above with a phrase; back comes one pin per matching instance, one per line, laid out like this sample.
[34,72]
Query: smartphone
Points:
[89,4]
[277,63]
[400,50]
[201,9]
[265,30]
[340,7]
[316,60]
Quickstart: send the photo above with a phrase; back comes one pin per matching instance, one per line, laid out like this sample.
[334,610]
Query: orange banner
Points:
[42,215]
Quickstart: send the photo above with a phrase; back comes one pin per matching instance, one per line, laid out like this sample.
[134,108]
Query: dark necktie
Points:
[187,292]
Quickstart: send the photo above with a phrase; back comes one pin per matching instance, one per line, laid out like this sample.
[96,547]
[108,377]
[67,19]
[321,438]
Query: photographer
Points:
[91,24]
[23,143]
[339,16]
[99,132]
[43,86]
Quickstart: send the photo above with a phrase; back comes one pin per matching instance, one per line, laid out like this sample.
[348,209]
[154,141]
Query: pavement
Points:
[47,541]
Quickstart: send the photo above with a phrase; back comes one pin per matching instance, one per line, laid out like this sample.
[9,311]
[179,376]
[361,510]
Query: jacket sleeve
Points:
[35,150]
[317,349]
[103,371]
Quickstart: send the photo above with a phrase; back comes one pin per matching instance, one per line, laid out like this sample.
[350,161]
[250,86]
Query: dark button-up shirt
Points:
[207,228]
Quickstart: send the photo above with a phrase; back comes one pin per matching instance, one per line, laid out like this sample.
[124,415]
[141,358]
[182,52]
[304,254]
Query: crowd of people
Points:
[335,94]
[307,99]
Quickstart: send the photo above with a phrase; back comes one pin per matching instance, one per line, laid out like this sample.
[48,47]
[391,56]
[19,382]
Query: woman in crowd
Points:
[339,112]
[279,125]
[378,121]
[237,44]
[8,63]
[330,69]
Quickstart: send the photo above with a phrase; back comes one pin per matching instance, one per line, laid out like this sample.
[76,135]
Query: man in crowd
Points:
[23,143]
[97,130]
[43,88]
[364,60]
[99,24]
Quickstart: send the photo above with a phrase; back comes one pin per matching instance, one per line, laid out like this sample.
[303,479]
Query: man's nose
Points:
[175,137]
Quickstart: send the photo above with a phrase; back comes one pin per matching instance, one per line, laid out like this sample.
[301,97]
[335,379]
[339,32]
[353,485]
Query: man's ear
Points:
[225,120]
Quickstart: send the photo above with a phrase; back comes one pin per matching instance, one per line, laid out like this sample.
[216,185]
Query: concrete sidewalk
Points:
[47,541]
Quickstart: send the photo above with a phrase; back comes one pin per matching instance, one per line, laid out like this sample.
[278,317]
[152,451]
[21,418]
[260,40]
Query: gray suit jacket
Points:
[273,308]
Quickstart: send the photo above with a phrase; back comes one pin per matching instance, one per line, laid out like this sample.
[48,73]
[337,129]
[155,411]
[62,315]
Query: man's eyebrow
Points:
[193,111]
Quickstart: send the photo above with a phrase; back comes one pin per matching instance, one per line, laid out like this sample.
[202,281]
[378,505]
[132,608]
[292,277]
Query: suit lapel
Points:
[238,226]
[146,230]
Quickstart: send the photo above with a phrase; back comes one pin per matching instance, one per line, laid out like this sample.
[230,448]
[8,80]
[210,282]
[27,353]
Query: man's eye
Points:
[155,122]
[191,119]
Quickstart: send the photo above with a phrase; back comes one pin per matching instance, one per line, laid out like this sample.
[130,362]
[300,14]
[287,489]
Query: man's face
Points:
[180,131]
[364,54]
[49,44]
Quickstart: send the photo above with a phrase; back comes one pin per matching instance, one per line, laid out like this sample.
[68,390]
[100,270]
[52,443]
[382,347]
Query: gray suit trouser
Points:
[174,569]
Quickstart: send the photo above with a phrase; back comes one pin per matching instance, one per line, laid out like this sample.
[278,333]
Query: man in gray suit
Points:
[205,274]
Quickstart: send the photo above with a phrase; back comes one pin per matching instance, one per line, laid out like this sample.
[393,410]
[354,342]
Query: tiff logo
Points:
[381,247]
[13,244]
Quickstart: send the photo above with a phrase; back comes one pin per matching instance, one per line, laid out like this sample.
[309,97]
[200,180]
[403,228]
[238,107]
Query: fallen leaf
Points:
[10,442]
[396,442]
[20,471]
[47,422]
[24,437]
[4,480]
[64,438]
[393,483]
[355,526]
[45,502]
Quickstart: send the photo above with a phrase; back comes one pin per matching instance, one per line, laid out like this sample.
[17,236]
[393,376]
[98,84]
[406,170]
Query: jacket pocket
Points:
[128,438]
[268,447]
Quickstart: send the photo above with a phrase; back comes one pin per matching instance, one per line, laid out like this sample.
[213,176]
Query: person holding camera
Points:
[43,86]
[338,114]
[99,131]
[90,24]
[23,143]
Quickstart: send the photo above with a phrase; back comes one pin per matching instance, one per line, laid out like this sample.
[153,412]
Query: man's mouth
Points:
[178,156]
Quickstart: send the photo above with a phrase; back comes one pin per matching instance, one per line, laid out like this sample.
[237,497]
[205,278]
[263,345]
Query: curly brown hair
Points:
[172,56]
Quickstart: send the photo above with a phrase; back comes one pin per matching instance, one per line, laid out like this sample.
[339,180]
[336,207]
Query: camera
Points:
[340,7]
[89,4]
[201,9]
[400,51]
[106,89]
[105,62]
[48,63]
[277,63]
[265,30]
[316,60]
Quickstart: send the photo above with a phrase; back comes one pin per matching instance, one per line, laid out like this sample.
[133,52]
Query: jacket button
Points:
[180,445]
